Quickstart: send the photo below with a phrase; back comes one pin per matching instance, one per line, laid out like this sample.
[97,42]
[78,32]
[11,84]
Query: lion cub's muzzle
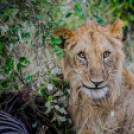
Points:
[95,83]
[96,88]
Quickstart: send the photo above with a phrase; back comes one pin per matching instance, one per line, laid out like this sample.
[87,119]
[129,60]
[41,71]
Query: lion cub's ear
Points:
[63,34]
[116,29]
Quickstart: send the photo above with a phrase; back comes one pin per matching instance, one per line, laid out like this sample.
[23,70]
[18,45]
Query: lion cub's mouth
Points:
[95,88]
[96,93]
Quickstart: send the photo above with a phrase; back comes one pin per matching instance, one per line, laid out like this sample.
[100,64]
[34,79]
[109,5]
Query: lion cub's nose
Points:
[96,83]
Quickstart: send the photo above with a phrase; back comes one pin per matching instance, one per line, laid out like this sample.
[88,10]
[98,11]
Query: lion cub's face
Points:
[96,56]
[94,60]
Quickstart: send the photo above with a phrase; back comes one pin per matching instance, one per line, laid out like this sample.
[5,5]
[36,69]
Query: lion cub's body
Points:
[102,90]
[104,116]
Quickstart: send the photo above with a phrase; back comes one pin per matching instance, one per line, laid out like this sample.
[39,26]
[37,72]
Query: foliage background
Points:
[29,53]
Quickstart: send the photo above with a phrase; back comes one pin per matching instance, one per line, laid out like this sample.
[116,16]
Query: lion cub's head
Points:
[96,59]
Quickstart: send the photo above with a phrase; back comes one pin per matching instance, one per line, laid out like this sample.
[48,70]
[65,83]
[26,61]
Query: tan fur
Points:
[113,113]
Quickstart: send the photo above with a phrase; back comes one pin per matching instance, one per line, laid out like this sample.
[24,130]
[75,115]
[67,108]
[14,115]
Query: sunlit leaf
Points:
[59,54]
[28,78]
[42,87]
[78,9]
[21,86]
[56,9]
[56,48]
[50,99]
[56,41]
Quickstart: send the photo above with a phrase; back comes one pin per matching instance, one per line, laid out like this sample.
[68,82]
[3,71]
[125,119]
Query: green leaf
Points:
[27,35]
[100,20]
[41,94]
[10,61]
[19,66]
[1,46]
[56,41]
[5,83]
[15,29]
[7,12]
[9,65]
[55,25]
[27,62]
[21,86]
[60,54]
[68,52]
[22,59]
[23,35]
[28,78]
[77,9]
[42,87]
[50,99]
[39,16]
[56,48]
[68,15]
[46,36]
[56,9]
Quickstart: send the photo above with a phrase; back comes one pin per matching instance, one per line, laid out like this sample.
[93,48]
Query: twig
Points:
[34,14]
[83,9]
[15,53]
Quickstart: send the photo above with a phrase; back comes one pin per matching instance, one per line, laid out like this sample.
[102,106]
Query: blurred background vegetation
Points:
[29,52]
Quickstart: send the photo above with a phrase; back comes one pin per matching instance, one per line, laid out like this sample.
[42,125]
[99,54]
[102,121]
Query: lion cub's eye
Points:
[81,55]
[106,54]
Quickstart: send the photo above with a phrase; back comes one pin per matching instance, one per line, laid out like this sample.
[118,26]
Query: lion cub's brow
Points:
[91,49]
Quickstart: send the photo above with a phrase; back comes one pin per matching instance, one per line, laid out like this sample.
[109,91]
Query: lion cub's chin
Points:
[96,94]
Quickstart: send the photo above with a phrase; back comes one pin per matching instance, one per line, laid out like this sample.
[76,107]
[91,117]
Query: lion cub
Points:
[102,90]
